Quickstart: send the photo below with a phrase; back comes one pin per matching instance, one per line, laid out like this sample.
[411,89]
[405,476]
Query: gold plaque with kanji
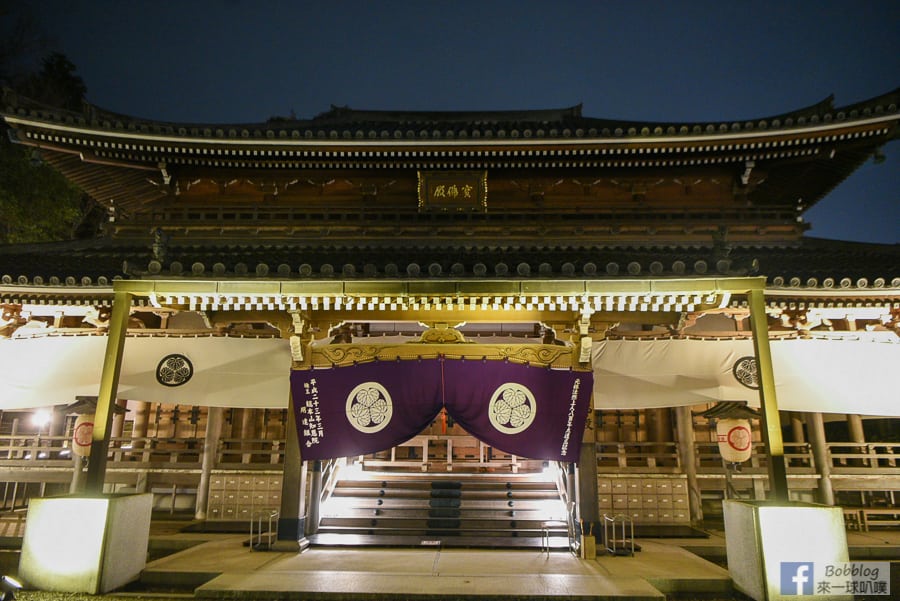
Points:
[452,190]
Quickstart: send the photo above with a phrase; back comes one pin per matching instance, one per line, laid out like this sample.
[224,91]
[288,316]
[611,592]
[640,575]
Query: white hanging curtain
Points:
[224,372]
[829,376]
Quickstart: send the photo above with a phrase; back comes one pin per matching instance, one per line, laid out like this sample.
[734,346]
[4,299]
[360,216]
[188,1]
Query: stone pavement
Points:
[224,568]
[220,566]
[211,565]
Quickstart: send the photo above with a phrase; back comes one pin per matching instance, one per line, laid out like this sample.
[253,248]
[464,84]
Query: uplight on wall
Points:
[40,419]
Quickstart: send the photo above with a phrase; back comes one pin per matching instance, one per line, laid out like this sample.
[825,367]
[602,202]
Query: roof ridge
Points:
[573,115]
[345,114]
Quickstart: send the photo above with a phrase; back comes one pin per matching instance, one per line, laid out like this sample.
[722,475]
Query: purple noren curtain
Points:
[525,410]
[359,409]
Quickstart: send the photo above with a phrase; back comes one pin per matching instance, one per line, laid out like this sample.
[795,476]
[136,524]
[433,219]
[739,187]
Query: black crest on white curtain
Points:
[745,372]
[174,370]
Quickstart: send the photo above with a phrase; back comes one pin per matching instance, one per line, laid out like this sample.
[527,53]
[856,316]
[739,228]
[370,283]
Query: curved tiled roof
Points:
[801,154]
[343,123]
[813,264]
[129,163]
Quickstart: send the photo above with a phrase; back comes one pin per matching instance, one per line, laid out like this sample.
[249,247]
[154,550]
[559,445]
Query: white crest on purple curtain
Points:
[512,408]
[369,407]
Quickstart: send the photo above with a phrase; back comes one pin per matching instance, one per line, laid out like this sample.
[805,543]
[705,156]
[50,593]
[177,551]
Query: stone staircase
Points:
[439,509]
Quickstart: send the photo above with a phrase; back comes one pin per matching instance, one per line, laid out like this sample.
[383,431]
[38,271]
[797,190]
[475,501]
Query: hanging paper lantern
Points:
[83,435]
[735,439]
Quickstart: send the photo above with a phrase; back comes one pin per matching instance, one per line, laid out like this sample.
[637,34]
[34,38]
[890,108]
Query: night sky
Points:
[244,61]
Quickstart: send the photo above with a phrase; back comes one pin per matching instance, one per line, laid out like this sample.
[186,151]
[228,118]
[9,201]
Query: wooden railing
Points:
[331,470]
[34,448]
[848,457]
[443,450]
[843,457]
[242,451]
[36,466]
[30,463]
[150,450]
[798,457]
[448,452]
[637,456]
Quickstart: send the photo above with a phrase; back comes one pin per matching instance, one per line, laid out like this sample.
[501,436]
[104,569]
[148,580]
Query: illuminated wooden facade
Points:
[498,224]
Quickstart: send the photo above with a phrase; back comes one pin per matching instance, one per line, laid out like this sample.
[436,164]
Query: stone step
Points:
[446,522]
[422,512]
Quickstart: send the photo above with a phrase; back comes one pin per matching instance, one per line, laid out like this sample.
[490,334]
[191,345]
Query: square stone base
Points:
[760,536]
[85,544]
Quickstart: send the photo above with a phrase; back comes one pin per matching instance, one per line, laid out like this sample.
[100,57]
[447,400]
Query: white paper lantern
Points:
[82,435]
[735,439]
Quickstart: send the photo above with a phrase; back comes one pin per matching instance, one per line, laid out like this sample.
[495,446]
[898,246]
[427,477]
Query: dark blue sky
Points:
[244,61]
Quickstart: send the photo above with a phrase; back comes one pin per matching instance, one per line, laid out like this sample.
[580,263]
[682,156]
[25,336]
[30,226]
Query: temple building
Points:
[655,275]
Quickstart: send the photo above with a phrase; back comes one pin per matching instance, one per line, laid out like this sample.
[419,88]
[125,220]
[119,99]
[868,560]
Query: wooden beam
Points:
[106,399]
[771,421]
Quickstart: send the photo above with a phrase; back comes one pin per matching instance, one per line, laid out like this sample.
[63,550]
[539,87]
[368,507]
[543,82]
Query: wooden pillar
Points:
[234,436]
[858,435]
[815,426]
[770,419]
[797,427]
[659,429]
[248,432]
[571,484]
[315,498]
[76,485]
[208,459]
[57,427]
[109,384]
[12,441]
[139,426]
[291,518]
[589,503]
[855,429]
[684,422]
[237,421]
[118,422]
[659,425]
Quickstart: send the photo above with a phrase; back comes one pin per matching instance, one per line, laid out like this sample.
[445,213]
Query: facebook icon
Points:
[796,578]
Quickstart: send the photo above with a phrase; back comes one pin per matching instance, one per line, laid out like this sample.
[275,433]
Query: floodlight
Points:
[8,588]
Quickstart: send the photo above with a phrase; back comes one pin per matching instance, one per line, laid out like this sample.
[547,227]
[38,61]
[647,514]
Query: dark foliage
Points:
[36,202]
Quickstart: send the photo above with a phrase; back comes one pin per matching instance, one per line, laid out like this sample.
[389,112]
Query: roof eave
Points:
[718,138]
